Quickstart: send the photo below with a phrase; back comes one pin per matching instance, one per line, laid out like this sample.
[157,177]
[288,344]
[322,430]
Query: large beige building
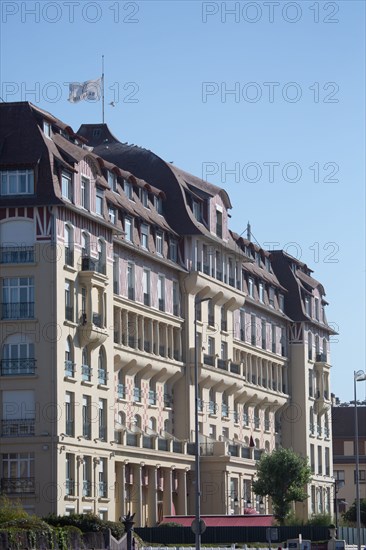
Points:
[105,250]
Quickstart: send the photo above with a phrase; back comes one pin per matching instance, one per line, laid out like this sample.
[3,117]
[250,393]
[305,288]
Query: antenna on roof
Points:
[249,232]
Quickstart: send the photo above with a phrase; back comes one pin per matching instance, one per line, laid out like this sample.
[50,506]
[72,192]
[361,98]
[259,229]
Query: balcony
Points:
[17,367]
[91,330]
[234,450]
[245,452]
[147,442]
[212,407]
[235,368]
[92,264]
[163,444]
[131,439]
[121,391]
[87,488]
[70,487]
[19,310]
[102,489]
[69,369]
[222,364]
[18,428]
[257,454]
[86,430]
[17,255]
[17,485]
[209,359]
[102,377]
[86,373]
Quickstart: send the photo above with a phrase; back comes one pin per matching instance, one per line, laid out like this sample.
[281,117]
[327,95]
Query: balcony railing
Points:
[102,376]
[207,448]
[17,367]
[256,422]
[86,430]
[257,454]
[208,359]
[236,417]
[70,487]
[245,452]
[177,447]
[17,428]
[137,394]
[161,304]
[222,364]
[224,410]
[16,485]
[121,391]
[235,368]
[212,407]
[168,400]
[97,320]
[87,488]
[19,310]
[131,293]
[234,450]
[245,419]
[69,313]
[86,373]
[91,264]
[17,254]
[321,358]
[147,442]
[102,489]
[69,369]
[131,439]
[163,444]
[152,397]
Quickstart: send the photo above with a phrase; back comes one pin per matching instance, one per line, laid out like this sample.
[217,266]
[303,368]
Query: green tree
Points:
[351,514]
[282,475]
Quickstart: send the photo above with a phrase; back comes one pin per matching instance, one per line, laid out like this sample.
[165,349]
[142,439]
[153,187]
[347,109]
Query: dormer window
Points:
[251,287]
[67,186]
[173,250]
[197,210]
[308,305]
[281,302]
[99,201]
[261,292]
[128,189]
[144,235]
[159,243]
[129,229]
[158,203]
[219,223]
[112,181]
[258,259]
[47,128]
[271,296]
[145,198]
[16,182]
[268,264]
[112,213]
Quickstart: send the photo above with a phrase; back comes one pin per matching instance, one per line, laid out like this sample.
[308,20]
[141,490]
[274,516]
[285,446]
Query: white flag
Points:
[91,90]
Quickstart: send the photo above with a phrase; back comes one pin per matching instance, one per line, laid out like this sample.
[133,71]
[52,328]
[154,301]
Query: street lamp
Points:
[196,430]
[338,484]
[358,376]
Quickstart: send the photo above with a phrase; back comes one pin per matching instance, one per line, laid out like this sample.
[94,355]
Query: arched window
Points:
[121,386]
[102,367]
[69,358]
[85,244]
[212,403]
[101,256]
[152,424]
[86,371]
[225,405]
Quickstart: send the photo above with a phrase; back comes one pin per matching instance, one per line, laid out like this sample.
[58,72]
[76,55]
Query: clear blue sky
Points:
[297,70]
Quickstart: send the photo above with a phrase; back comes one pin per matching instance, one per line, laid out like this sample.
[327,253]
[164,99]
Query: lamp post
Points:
[338,484]
[358,376]
[196,430]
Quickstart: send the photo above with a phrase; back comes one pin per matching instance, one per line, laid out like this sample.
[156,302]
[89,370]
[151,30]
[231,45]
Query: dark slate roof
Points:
[343,421]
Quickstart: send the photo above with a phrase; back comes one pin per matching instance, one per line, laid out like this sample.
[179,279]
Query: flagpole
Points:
[103,89]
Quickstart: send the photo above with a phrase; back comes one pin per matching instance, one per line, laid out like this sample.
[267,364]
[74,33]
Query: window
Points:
[18,356]
[316,305]
[144,235]
[251,287]
[69,245]
[219,223]
[69,308]
[310,345]
[85,192]
[115,274]
[281,302]
[253,330]
[308,305]
[145,198]
[271,296]
[283,342]
[102,419]
[197,210]
[274,339]
[70,474]
[18,298]
[146,286]
[261,292]
[112,213]
[338,475]
[67,186]
[19,413]
[264,334]
[16,182]
[102,484]
[17,473]
[173,250]
[161,292]
[102,367]
[87,472]
[85,244]
[86,416]
[176,298]
[211,313]
[129,229]
[99,201]
[158,203]
[46,128]
[69,364]
[361,476]
[112,181]
[131,281]
[312,458]
[320,460]
[69,414]
[159,243]
[128,189]
[224,350]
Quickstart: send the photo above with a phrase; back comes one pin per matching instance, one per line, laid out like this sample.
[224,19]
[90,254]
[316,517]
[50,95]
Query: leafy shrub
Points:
[10,509]
[320,519]
[87,523]
[170,524]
